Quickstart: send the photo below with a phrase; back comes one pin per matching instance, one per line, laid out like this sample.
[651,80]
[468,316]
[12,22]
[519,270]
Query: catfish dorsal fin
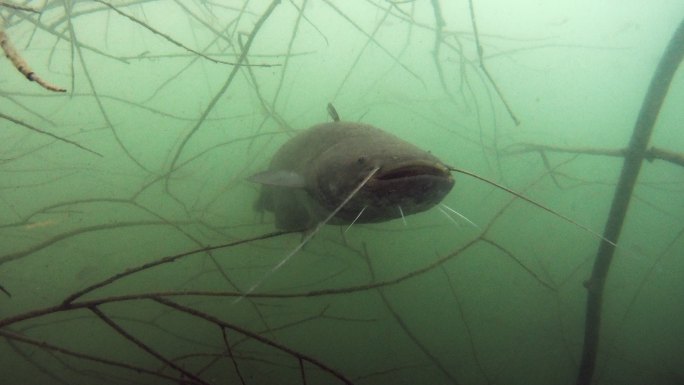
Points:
[333,113]
[280,178]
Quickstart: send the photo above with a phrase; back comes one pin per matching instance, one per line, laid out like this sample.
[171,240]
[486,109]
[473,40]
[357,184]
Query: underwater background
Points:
[128,237]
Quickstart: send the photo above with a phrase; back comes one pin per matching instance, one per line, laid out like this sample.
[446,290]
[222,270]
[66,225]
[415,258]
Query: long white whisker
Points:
[308,236]
[403,218]
[355,219]
[528,200]
[449,216]
[460,215]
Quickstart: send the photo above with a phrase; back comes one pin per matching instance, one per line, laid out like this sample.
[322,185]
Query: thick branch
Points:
[636,153]
[21,65]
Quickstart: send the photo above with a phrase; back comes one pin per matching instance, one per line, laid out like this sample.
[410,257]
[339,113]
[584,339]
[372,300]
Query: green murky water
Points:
[106,221]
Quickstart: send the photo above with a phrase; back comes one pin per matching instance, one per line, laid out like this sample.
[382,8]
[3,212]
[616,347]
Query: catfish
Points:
[346,172]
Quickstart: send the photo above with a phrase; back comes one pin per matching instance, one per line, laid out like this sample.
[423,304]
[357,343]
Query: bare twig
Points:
[144,346]
[5,291]
[47,346]
[519,263]
[371,38]
[224,334]
[172,40]
[165,260]
[652,153]
[38,130]
[404,326]
[226,84]
[18,7]
[76,49]
[480,55]
[21,65]
[257,337]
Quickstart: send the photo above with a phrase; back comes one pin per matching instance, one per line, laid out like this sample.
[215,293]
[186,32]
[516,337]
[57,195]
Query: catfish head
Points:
[315,172]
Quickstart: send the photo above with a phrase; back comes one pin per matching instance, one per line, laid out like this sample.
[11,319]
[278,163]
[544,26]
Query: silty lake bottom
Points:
[131,253]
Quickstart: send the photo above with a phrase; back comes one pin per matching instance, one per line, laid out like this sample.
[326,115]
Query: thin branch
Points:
[480,55]
[519,263]
[230,354]
[76,49]
[143,345]
[172,40]
[466,324]
[38,130]
[40,366]
[47,346]
[21,65]
[404,326]
[78,231]
[255,336]
[168,259]
[371,38]
[439,26]
[224,88]
[18,7]
[652,153]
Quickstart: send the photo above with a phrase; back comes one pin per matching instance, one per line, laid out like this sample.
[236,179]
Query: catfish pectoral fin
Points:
[293,217]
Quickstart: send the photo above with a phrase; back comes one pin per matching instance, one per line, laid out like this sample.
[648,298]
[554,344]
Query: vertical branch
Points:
[370,39]
[402,324]
[302,371]
[76,49]
[466,324]
[439,25]
[634,158]
[484,69]
[230,354]
[286,62]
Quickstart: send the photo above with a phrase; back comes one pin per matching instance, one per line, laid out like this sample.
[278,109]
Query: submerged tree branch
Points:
[172,40]
[480,55]
[18,7]
[143,346]
[634,157]
[12,336]
[21,65]
[38,130]
[226,84]
[652,153]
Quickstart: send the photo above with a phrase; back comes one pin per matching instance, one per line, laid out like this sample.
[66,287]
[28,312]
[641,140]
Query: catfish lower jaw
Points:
[384,199]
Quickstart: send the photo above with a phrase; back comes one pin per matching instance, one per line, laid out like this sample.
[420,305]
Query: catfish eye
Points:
[361,160]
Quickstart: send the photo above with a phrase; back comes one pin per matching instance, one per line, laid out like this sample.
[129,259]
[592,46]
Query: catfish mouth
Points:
[412,169]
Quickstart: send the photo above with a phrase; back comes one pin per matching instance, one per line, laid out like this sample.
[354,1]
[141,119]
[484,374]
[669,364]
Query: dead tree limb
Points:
[143,346]
[652,153]
[13,336]
[480,56]
[21,65]
[18,7]
[257,337]
[38,130]
[224,88]
[174,41]
[636,154]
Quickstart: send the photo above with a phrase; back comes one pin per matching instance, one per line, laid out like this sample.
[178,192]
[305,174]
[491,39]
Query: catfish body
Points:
[316,170]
